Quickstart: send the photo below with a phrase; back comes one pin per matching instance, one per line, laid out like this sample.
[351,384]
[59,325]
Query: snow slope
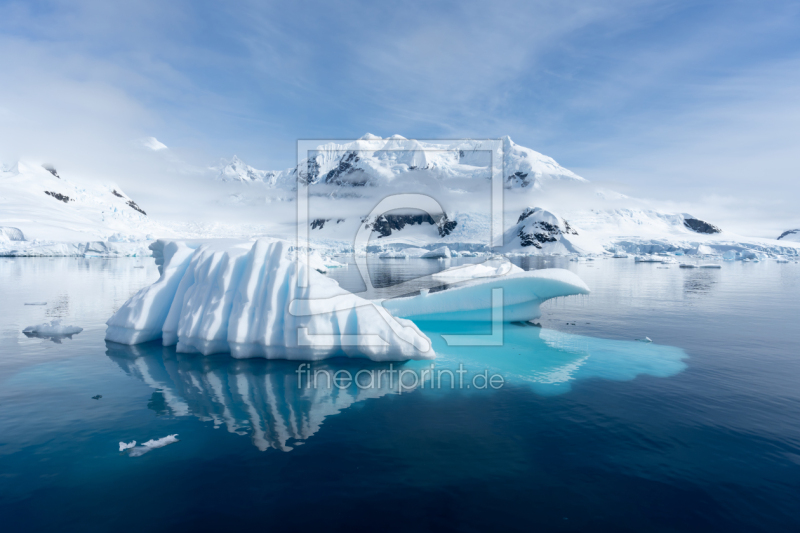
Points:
[47,207]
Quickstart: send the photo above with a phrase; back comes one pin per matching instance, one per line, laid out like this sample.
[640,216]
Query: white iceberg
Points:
[523,293]
[244,298]
[438,253]
[487,269]
[52,330]
[152,444]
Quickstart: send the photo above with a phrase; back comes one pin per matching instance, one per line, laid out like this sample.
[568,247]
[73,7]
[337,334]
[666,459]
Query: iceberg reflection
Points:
[262,397]
[250,396]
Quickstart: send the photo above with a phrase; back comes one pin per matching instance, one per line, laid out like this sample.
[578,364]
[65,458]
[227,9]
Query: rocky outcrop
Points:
[541,227]
[700,226]
[790,235]
[133,205]
[386,224]
[58,196]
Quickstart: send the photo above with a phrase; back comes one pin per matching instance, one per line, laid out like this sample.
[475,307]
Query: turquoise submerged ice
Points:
[549,361]
[248,299]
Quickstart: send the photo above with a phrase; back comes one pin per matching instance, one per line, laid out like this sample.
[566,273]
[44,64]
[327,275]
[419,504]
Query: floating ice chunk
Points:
[710,265]
[138,451]
[523,293]
[687,265]
[52,330]
[396,254]
[35,303]
[439,253]
[244,298]
[481,270]
[646,339]
[124,446]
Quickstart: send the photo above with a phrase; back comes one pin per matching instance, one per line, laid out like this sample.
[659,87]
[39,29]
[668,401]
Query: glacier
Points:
[244,298]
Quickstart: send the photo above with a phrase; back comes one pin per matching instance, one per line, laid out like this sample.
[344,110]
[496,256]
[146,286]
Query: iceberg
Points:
[482,270]
[523,294]
[245,298]
[152,444]
[52,330]
[439,253]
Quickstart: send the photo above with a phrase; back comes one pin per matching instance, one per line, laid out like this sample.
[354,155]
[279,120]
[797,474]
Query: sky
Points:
[692,104]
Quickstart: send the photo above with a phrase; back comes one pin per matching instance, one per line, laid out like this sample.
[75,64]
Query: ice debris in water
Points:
[244,298]
[646,339]
[52,329]
[35,303]
[152,444]
[522,294]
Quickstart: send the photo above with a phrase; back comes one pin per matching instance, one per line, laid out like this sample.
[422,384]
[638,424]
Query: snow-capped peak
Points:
[237,170]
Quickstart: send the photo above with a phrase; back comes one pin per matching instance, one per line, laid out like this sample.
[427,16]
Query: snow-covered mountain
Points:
[547,208]
[39,205]
[375,161]
[237,170]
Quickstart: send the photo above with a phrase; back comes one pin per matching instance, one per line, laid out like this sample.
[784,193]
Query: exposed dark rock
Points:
[520,177]
[700,226]
[132,204]
[446,226]
[539,232]
[385,224]
[319,223]
[115,193]
[789,232]
[58,196]
[525,214]
[345,167]
[51,169]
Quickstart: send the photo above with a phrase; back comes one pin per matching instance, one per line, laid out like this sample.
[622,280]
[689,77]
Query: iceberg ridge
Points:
[243,298]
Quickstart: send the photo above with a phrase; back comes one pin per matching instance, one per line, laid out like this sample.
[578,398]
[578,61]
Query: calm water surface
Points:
[591,430]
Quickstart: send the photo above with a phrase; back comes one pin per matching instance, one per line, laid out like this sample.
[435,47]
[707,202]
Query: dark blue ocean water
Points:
[591,430]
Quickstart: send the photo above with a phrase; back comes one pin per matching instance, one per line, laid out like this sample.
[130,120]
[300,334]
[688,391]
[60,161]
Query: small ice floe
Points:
[646,339]
[710,265]
[35,303]
[145,447]
[97,397]
[52,330]
[438,253]
[687,265]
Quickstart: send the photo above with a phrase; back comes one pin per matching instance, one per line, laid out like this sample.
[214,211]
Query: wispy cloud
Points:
[662,98]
